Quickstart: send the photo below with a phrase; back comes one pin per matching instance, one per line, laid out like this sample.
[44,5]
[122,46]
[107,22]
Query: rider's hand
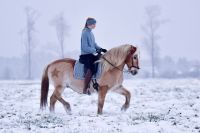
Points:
[98,51]
[103,50]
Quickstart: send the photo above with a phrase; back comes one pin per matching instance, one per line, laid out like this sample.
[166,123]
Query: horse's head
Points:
[132,61]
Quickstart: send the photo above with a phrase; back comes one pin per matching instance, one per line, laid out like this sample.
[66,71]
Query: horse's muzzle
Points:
[134,72]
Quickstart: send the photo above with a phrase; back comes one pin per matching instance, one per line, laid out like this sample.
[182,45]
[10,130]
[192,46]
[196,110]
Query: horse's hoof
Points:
[68,110]
[89,93]
[51,110]
[124,107]
[100,113]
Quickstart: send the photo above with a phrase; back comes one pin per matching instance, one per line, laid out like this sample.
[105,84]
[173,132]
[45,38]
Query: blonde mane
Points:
[116,56]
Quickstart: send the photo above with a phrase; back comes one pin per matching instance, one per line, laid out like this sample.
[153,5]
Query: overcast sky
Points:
[118,22]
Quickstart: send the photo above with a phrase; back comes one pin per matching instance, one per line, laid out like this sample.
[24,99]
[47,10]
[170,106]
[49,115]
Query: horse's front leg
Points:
[121,90]
[101,98]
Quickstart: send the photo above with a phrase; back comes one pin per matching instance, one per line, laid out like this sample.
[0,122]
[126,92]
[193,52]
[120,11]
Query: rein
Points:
[126,71]
[112,64]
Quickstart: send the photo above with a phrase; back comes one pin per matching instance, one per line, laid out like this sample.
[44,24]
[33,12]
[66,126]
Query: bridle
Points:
[132,64]
[129,68]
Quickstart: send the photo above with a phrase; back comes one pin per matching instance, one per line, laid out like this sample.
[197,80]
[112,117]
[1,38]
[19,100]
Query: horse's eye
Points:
[135,57]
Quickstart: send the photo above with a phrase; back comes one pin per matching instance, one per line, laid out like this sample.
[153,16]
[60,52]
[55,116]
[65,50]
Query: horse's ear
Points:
[132,50]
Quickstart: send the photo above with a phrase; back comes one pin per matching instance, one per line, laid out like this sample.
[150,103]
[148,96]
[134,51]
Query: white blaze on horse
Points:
[61,74]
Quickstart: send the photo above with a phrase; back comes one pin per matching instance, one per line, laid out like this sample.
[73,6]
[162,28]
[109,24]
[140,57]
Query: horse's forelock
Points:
[133,49]
[137,52]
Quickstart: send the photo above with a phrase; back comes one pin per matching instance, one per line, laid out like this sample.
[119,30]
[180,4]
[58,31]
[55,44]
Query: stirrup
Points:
[95,85]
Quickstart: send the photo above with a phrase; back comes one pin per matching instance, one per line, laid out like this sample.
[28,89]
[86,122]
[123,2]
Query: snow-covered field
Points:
[157,106]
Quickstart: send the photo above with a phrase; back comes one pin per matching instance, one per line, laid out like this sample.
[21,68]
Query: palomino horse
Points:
[60,73]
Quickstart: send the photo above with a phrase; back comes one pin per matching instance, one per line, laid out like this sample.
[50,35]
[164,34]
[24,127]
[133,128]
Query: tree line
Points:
[155,67]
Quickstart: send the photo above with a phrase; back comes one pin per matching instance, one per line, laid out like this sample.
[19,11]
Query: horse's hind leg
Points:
[57,96]
[121,90]
[101,98]
[52,102]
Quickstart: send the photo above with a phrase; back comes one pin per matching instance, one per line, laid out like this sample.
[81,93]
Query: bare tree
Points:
[31,17]
[61,29]
[196,71]
[150,28]
[7,73]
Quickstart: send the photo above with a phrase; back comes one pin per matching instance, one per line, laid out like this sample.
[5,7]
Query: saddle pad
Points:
[79,71]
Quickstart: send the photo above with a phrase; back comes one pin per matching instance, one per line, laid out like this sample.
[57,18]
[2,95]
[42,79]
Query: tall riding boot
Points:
[88,77]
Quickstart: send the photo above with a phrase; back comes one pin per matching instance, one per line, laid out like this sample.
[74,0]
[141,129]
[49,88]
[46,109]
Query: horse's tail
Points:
[44,88]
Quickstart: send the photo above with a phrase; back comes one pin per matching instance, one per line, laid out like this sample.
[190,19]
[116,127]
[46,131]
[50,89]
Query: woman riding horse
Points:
[88,48]
[60,73]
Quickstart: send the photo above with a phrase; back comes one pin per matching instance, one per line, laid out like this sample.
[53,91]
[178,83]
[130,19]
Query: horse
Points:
[60,74]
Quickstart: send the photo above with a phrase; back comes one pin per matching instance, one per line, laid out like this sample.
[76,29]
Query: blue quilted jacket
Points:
[88,44]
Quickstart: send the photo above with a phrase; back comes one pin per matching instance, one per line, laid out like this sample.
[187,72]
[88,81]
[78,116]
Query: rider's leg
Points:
[88,77]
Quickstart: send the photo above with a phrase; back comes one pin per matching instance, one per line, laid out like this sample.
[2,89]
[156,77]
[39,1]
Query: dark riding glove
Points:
[103,50]
[98,51]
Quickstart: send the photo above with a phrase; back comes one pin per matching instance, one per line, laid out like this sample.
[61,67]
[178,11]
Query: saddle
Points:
[79,73]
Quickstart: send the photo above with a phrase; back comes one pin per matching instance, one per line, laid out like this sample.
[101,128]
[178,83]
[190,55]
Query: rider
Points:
[88,49]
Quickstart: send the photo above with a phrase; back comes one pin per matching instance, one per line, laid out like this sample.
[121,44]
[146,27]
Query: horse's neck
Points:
[119,68]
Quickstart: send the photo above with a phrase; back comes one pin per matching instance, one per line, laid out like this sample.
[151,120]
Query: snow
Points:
[157,106]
